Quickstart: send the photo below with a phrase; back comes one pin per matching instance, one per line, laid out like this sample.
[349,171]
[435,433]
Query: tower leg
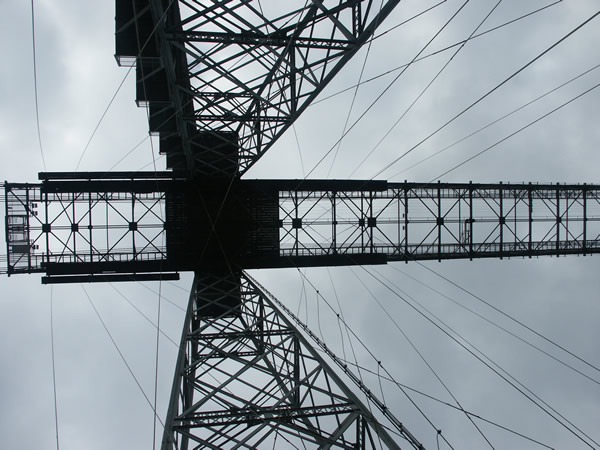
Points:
[246,377]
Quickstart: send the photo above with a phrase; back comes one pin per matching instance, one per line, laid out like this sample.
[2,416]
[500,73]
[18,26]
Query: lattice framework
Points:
[246,377]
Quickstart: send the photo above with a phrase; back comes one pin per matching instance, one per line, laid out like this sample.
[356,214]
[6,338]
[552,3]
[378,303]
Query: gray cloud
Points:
[100,405]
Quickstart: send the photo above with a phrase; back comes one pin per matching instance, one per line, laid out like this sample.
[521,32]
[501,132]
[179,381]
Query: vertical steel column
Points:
[27,203]
[530,206]
[370,226]
[168,440]
[296,377]
[501,218]
[89,194]
[48,223]
[585,192]
[440,219]
[405,221]
[471,221]
[333,223]
[558,219]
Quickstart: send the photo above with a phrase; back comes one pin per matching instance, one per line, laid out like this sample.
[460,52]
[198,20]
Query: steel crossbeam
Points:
[134,227]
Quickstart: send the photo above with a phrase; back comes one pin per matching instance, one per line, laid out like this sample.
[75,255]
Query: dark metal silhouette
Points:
[107,227]
[223,80]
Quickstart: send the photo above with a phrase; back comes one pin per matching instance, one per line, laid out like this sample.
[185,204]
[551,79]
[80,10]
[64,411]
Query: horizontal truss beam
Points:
[416,221]
[128,224]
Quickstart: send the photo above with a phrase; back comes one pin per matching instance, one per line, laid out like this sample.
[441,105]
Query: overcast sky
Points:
[99,404]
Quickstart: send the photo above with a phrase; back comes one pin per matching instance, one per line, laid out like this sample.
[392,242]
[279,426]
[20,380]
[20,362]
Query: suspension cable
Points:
[442,402]
[372,398]
[508,316]
[53,365]
[488,93]
[429,366]
[387,88]
[120,353]
[141,313]
[507,137]
[527,393]
[350,109]
[500,327]
[426,88]
[35,85]
[360,341]
[437,52]
[137,34]
[479,130]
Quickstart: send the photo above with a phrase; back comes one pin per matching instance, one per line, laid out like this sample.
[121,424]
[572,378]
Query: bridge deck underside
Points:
[410,221]
[96,227]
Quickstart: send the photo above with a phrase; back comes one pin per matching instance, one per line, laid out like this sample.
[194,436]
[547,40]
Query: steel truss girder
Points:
[265,64]
[414,221]
[245,400]
[78,224]
[94,227]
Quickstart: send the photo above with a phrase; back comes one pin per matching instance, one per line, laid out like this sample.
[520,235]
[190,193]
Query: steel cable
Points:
[504,116]
[429,366]
[387,88]
[488,93]
[35,85]
[120,352]
[426,88]
[437,52]
[527,393]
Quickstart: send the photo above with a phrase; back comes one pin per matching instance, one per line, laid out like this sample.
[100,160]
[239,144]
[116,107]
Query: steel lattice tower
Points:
[246,369]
